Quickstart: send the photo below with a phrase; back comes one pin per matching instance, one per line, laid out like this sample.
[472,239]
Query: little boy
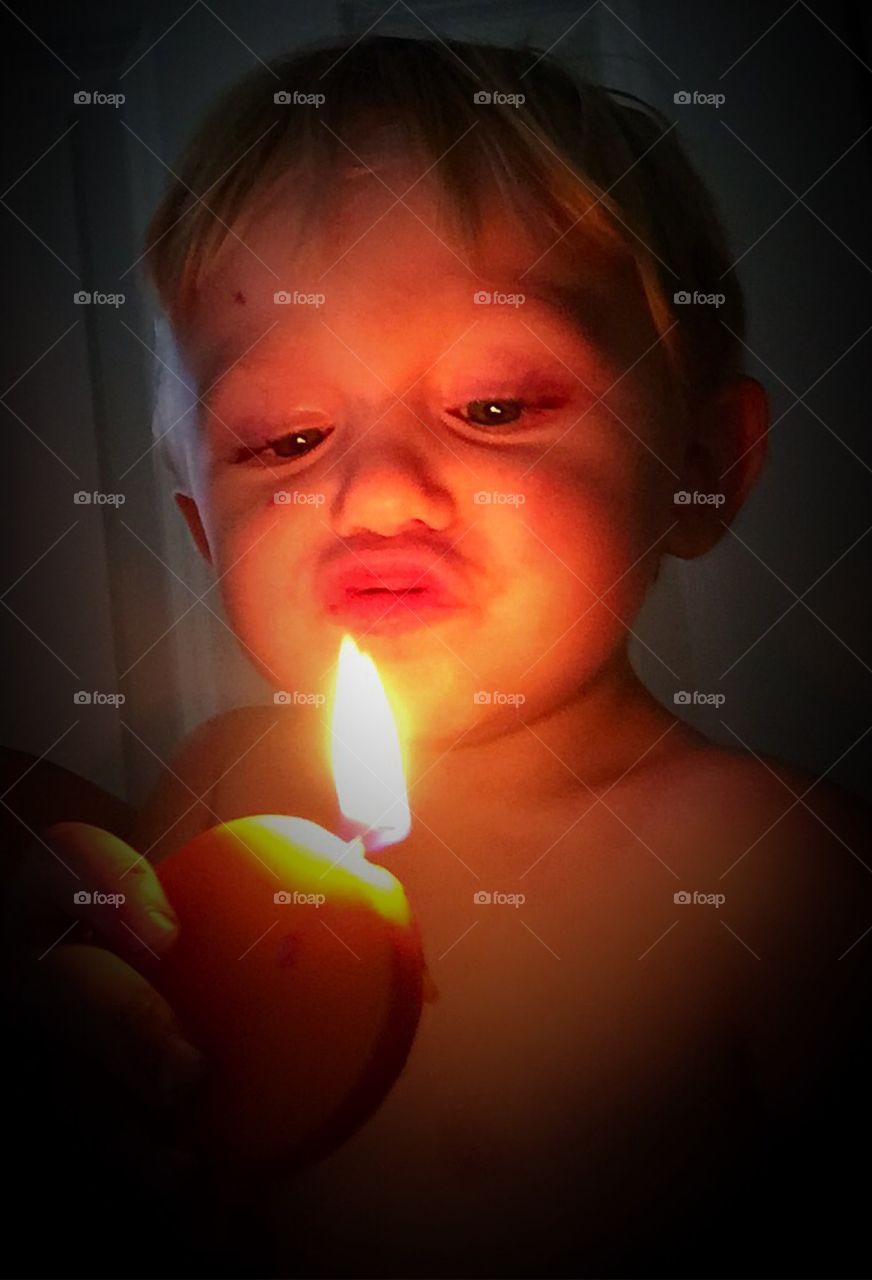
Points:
[424,383]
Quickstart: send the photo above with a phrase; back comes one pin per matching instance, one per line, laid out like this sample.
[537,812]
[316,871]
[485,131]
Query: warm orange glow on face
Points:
[365,751]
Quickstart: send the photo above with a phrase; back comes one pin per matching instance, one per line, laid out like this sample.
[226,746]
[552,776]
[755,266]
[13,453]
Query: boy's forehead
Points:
[376,259]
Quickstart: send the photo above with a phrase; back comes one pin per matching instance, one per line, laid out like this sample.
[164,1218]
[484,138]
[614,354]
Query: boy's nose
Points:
[389,480]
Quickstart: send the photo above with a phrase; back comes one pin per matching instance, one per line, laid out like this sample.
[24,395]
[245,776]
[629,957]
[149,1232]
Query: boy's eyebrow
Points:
[582,308]
[579,305]
[218,385]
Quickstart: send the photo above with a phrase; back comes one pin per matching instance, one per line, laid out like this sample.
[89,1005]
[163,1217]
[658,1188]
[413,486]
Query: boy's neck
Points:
[589,741]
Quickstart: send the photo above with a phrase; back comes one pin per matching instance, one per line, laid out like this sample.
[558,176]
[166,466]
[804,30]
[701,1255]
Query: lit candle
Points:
[298,969]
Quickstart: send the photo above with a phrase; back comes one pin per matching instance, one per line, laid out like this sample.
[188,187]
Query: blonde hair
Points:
[574,153]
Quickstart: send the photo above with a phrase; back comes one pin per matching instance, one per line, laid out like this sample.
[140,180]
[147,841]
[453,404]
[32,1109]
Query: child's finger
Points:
[89,874]
[110,1016]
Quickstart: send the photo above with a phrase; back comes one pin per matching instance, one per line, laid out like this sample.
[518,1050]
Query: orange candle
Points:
[299,969]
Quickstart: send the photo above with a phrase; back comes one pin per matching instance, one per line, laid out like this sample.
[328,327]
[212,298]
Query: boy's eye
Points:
[494,412]
[491,413]
[287,447]
[502,412]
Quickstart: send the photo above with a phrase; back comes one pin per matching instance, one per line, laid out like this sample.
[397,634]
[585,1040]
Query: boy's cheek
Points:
[257,529]
[591,524]
[237,502]
[547,548]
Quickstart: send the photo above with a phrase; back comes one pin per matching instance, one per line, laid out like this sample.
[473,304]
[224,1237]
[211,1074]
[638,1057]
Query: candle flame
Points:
[365,751]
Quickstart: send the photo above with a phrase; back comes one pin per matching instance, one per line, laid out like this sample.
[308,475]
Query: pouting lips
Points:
[352,595]
[391,590]
[424,594]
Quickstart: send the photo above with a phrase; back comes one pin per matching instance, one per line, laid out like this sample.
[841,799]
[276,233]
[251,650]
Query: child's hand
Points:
[72,946]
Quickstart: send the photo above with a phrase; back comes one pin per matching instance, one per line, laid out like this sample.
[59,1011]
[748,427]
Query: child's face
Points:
[380,378]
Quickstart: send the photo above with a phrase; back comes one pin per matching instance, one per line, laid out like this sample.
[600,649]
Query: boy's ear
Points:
[188,508]
[727,448]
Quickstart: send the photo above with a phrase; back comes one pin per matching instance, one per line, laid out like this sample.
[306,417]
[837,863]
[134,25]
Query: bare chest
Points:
[560,1038]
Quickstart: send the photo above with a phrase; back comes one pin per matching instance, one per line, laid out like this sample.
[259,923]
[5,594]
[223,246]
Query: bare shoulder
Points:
[181,803]
[789,846]
[736,795]
[790,855]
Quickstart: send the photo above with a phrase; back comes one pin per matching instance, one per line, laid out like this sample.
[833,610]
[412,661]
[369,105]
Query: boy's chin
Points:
[439,707]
